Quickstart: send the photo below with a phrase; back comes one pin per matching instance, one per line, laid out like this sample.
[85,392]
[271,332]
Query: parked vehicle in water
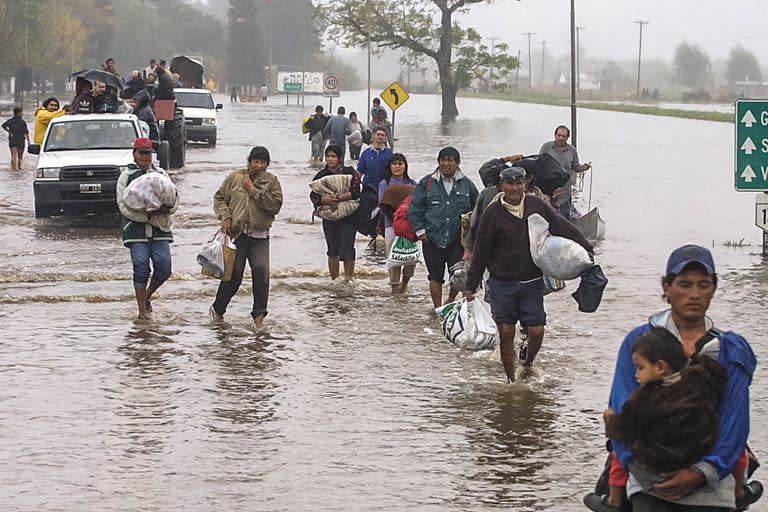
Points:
[200,114]
[80,160]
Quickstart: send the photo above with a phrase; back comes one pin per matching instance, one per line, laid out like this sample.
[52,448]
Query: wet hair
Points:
[152,61]
[380,128]
[162,62]
[17,111]
[449,152]
[376,101]
[109,60]
[48,100]
[319,109]
[694,266]
[396,157]
[341,111]
[336,149]
[567,131]
[659,344]
[352,114]
[259,153]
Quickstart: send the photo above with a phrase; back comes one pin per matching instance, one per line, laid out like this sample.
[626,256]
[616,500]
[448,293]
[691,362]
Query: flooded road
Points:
[349,399]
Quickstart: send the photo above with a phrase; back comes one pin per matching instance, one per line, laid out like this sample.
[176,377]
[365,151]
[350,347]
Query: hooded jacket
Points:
[735,354]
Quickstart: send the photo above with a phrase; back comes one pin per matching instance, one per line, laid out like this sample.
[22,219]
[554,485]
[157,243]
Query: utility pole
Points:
[529,34]
[543,55]
[26,33]
[640,53]
[578,59]
[573,73]
[368,107]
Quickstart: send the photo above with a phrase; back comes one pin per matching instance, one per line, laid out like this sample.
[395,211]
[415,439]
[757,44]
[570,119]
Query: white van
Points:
[200,114]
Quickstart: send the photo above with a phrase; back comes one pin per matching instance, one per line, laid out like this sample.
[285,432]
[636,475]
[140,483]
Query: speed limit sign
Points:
[331,86]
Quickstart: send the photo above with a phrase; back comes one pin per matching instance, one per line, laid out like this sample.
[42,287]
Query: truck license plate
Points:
[90,188]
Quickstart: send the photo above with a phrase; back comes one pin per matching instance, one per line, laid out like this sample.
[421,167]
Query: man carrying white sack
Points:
[146,241]
[516,283]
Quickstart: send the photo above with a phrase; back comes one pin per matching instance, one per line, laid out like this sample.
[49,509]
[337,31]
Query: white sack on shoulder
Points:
[355,138]
[556,256]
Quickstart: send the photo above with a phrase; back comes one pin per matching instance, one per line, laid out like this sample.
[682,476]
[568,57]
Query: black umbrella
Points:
[95,75]
[189,70]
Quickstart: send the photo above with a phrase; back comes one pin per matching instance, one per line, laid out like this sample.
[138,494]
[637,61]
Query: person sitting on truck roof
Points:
[43,116]
[164,89]
[83,103]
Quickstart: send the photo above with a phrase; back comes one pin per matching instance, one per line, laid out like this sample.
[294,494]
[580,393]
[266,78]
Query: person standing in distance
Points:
[145,241]
[435,213]
[246,205]
[568,158]
[517,285]
[17,133]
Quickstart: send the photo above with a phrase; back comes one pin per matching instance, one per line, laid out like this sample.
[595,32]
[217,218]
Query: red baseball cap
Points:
[143,144]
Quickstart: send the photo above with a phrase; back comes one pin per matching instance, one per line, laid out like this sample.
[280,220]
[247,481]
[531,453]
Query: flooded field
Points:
[349,399]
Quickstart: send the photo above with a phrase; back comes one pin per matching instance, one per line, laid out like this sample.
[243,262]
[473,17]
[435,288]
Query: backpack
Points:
[400,221]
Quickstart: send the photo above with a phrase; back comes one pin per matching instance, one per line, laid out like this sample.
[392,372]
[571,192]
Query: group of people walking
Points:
[662,382]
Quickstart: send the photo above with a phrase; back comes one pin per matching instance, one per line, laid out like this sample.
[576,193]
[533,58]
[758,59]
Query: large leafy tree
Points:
[427,29]
[245,46]
[742,65]
[692,65]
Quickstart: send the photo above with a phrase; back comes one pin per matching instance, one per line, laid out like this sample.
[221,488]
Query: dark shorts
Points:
[340,238]
[513,302]
[13,143]
[438,258]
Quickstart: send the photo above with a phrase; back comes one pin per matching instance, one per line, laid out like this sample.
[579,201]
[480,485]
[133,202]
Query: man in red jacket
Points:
[516,283]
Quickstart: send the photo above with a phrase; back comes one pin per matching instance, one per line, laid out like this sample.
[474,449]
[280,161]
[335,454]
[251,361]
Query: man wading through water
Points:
[517,286]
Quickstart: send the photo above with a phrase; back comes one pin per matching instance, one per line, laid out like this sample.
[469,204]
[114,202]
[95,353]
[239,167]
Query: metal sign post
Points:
[394,96]
[761,218]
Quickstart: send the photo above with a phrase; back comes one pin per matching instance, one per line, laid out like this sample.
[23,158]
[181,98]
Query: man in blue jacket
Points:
[374,160]
[435,214]
[688,286]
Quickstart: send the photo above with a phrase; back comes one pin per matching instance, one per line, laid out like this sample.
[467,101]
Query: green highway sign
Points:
[293,86]
[751,173]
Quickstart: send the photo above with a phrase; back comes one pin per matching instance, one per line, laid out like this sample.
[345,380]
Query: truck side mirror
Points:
[219,106]
[33,149]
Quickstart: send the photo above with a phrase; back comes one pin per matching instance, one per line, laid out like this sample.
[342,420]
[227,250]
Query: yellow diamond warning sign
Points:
[394,95]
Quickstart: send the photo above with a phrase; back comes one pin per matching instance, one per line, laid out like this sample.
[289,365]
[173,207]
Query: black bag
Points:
[490,170]
[547,173]
[590,291]
[367,136]
[366,225]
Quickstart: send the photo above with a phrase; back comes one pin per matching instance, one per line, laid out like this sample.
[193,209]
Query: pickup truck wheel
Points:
[164,154]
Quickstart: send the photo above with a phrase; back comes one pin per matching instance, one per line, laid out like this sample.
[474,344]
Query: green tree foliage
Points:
[245,46]
[75,34]
[742,65]
[692,65]
[427,29]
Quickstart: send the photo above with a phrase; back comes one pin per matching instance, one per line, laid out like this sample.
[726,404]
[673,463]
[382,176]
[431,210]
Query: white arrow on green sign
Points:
[751,120]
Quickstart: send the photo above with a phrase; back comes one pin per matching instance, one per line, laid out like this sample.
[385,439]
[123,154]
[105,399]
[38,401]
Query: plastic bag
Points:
[552,285]
[468,325]
[458,275]
[590,290]
[150,192]
[217,257]
[355,138]
[403,252]
[556,256]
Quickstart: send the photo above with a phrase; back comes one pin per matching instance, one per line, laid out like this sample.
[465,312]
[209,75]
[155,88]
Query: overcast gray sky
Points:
[610,31]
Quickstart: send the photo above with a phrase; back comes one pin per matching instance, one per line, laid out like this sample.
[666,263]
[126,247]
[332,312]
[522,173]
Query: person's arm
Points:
[269,198]
[362,164]
[544,148]
[5,126]
[354,186]
[486,238]
[221,201]
[474,223]
[417,210]
[348,128]
[327,130]
[559,226]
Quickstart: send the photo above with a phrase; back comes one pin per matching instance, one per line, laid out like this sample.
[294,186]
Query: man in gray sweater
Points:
[337,129]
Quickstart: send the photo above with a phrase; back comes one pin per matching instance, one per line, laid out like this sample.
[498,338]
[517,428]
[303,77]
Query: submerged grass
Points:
[737,243]
[548,99]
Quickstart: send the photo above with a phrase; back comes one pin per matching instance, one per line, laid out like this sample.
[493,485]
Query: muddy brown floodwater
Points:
[349,399]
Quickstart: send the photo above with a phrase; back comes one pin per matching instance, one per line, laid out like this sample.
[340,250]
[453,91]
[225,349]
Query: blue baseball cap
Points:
[687,254]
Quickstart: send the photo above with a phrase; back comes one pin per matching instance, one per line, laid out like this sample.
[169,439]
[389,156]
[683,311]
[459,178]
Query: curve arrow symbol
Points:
[393,92]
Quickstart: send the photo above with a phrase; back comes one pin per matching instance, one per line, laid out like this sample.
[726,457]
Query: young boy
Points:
[17,132]
[672,420]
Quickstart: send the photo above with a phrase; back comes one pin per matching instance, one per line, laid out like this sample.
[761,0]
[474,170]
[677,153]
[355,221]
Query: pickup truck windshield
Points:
[193,100]
[91,133]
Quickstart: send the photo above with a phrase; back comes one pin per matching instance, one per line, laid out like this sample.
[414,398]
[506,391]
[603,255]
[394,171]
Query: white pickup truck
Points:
[200,114]
[81,158]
